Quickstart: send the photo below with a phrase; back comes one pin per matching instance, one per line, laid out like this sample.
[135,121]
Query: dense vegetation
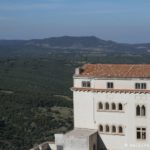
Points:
[35,77]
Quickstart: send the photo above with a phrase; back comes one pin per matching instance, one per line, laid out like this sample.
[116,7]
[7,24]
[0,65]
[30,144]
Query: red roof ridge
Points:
[116,70]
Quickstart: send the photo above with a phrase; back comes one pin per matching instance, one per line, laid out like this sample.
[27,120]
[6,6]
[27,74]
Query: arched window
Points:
[143,110]
[113,106]
[120,106]
[100,128]
[107,128]
[120,129]
[100,105]
[106,106]
[113,129]
[138,110]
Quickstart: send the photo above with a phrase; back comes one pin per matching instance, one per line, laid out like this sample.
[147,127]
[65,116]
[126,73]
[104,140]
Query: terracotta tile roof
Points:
[116,70]
[109,90]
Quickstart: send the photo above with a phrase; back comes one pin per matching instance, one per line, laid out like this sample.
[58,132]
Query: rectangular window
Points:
[143,85]
[86,84]
[141,133]
[137,85]
[140,85]
[110,85]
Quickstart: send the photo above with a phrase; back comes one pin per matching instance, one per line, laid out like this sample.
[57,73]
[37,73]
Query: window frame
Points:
[143,110]
[140,86]
[113,106]
[101,128]
[143,86]
[140,110]
[142,133]
[120,104]
[107,128]
[120,127]
[107,106]
[113,129]
[137,86]
[102,106]
[86,84]
[110,85]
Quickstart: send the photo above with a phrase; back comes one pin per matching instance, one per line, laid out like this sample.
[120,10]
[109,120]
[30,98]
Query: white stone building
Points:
[114,99]
[111,108]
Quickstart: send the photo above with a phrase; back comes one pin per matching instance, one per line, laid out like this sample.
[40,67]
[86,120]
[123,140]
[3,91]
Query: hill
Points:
[70,44]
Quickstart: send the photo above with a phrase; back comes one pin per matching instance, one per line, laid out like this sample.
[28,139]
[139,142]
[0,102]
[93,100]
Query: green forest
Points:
[35,96]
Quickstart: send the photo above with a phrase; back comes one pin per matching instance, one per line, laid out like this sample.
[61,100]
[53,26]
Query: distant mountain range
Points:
[90,44]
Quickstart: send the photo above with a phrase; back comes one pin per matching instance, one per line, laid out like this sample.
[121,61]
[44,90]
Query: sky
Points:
[125,21]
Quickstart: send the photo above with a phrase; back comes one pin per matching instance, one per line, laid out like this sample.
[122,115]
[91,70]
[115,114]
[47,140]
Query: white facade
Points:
[87,113]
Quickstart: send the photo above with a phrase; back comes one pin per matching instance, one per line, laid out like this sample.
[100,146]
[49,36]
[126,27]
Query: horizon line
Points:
[74,36]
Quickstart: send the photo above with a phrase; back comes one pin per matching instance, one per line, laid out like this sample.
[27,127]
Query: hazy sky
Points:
[118,20]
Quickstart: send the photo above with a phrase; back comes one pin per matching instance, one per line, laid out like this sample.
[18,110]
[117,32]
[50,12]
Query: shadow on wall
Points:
[100,143]
[59,147]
